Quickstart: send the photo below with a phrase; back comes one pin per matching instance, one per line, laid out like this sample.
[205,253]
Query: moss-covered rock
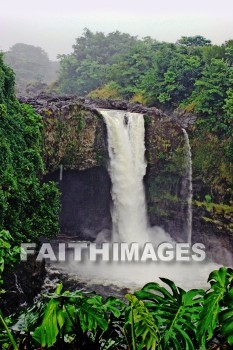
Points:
[219,215]
[165,153]
[74,135]
[212,170]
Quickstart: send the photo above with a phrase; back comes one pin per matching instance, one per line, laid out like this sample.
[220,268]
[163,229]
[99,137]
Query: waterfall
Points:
[127,168]
[188,178]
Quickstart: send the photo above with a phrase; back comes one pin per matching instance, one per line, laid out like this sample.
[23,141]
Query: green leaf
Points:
[140,325]
[177,312]
[226,317]
[53,321]
[114,306]
[209,320]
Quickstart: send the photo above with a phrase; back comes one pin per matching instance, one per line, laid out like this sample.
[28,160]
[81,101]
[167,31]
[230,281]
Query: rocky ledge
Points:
[56,102]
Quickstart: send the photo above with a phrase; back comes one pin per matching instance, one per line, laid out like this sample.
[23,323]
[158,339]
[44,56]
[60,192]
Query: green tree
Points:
[228,106]
[7,81]
[29,208]
[171,79]
[131,69]
[154,77]
[229,52]
[213,51]
[197,40]
[210,90]
[103,48]
[179,79]
[86,68]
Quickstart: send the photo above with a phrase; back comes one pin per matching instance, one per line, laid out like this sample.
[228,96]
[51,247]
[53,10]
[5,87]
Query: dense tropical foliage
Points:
[192,73]
[155,317]
[29,208]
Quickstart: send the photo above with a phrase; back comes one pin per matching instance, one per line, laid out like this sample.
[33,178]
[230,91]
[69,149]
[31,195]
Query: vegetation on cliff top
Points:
[28,208]
[192,74]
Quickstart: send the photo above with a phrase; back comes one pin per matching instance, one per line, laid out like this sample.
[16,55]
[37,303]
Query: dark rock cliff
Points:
[85,202]
[75,137]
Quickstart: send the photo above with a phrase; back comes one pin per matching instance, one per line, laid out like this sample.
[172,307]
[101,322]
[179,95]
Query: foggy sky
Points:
[54,24]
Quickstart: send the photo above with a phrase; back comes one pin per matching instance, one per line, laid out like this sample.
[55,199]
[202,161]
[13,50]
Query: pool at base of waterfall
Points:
[119,276]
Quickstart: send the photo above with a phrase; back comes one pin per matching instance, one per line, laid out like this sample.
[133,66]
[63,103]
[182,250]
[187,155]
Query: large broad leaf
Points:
[209,320]
[176,312]
[87,311]
[226,315]
[114,306]
[53,321]
[71,313]
[91,314]
[140,325]
[114,337]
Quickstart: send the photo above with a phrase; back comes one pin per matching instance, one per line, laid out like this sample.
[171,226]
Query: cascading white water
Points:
[127,168]
[189,195]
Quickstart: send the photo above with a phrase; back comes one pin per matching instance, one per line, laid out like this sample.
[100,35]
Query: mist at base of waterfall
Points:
[133,275]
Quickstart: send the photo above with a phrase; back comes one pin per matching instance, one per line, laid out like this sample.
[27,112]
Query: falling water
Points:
[127,168]
[190,186]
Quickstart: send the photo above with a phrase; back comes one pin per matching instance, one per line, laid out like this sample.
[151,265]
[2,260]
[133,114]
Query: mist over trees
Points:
[191,74]
[32,67]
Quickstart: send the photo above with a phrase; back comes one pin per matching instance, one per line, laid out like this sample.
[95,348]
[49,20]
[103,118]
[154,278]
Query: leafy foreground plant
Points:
[177,313]
[188,320]
[217,311]
[140,328]
[154,318]
[9,256]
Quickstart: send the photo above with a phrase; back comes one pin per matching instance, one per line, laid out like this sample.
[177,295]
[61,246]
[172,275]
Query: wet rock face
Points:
[85,202]
[214,231]
[75,136]
[165,154]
